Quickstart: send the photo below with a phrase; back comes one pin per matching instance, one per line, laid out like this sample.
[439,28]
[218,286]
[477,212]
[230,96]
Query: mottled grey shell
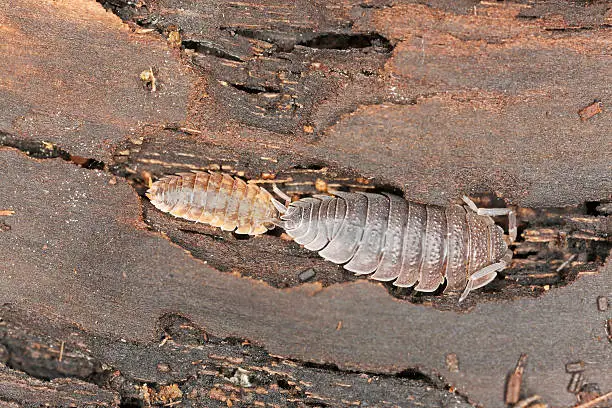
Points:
[395,239]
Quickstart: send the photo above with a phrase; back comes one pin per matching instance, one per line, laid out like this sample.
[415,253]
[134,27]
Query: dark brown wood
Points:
[72,74]
[20,390]
[190,367]
[78,254]
[429,101]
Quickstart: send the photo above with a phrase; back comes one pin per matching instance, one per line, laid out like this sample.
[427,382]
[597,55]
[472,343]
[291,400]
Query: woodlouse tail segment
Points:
[161,193]
[282,209]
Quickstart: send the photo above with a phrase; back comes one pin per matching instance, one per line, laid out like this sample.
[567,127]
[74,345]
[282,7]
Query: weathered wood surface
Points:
[78,253]
[194,368]
[432,100]
[18,390]
[70,75]
[460,100]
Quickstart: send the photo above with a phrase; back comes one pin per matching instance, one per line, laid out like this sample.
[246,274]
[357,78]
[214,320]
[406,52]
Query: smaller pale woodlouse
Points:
[217,199]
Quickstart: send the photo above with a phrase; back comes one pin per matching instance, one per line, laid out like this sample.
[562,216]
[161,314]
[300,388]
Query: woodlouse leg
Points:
[507,257]
[482,277]
[470,203]
[494,212]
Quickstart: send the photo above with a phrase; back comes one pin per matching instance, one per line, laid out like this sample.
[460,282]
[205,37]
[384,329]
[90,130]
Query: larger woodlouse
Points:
[403,241]
[217,199]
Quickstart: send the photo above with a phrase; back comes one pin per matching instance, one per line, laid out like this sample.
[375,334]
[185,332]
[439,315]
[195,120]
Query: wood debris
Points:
[174,38]
[576,382]
[513,388]
[61,354]
[591,110]
[148,78]
[595,402]
[575,367]
[452,362]
[602,303]
[530,402]
[167,394]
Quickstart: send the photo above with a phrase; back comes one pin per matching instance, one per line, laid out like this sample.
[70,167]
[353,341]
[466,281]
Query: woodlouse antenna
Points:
[280,207]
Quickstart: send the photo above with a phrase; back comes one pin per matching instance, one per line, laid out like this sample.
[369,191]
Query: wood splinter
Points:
[513,389]
[589,111]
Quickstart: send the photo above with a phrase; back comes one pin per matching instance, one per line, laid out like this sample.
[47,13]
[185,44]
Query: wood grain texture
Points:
[71,77]
[20,390]
[207,370]
[141,276]
[463,99]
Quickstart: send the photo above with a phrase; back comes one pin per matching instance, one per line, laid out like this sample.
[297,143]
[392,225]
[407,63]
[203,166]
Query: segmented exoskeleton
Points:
[217,199]
[403,241]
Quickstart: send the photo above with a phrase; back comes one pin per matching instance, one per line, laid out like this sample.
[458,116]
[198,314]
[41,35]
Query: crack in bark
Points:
[286,41]
[46,150]
[553,236]
[347,41]
[576,233]
[210,48]
[255,90]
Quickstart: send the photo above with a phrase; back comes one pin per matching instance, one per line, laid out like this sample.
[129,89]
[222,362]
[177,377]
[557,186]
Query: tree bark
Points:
[129,305]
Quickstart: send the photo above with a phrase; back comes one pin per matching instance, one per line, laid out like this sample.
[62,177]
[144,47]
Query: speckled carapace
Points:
[217,199]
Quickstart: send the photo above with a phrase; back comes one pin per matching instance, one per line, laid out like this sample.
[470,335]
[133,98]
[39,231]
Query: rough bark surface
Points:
[20,390]
[431,101]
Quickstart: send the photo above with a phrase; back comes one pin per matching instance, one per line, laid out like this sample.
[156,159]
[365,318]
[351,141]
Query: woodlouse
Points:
[402,241]
[217,199]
